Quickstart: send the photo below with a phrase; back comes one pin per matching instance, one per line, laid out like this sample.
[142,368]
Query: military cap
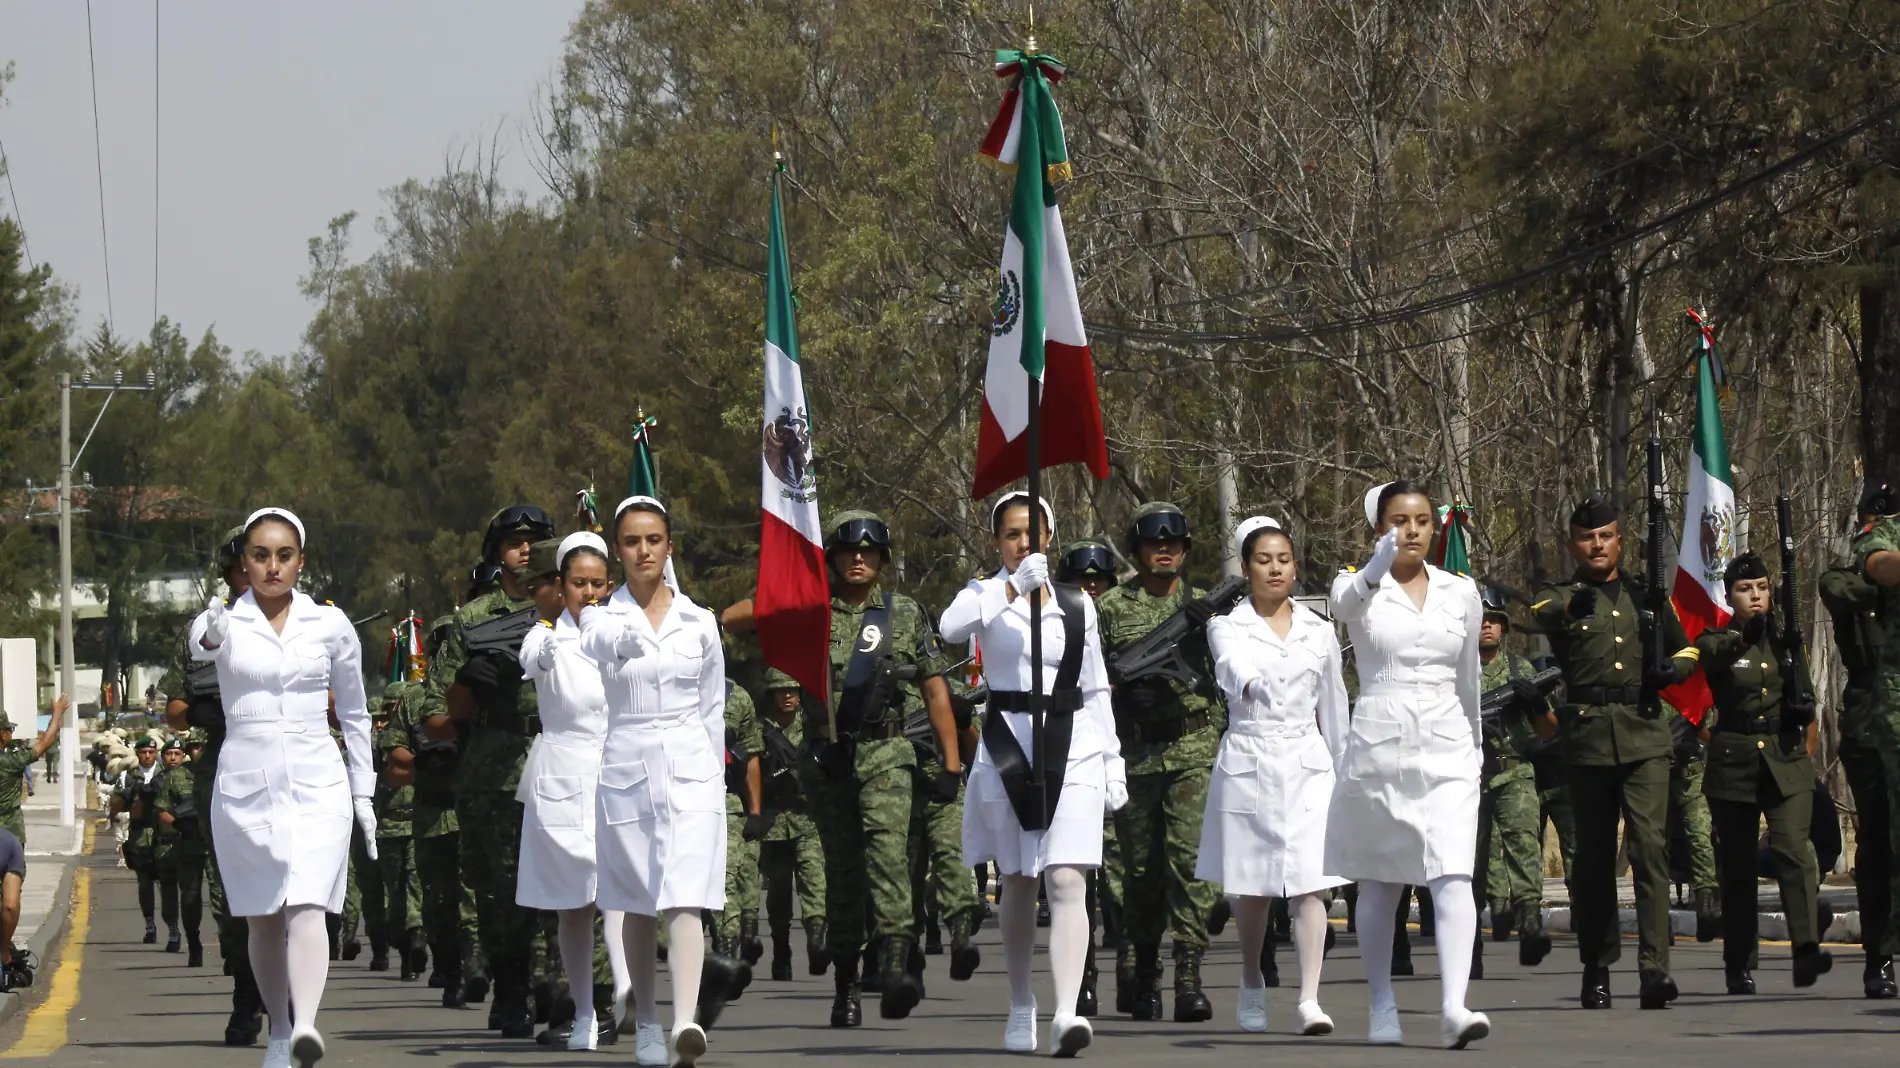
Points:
[230,549]
[1496,605]
[174,742]
[146,742]
[514,519]
[778,680]
[542,560]
[1084,558]
[1593,511]
[6,722]
[1744,567]
[1878,498]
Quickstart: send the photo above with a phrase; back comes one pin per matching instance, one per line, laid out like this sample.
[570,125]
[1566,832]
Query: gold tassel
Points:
[1061,172]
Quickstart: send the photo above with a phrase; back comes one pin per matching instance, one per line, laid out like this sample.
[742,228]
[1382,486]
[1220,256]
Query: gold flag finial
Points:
[1030,48]
[777,156]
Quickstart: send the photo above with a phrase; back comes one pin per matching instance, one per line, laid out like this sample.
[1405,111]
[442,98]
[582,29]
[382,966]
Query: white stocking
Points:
[1457,930]
[267,950]
[1068,932]
[611,924]
[306,960]
[1378,916]
[576,937]
[642,952]
[685,957]
[1018,925]
[1308,914]
[1250,921]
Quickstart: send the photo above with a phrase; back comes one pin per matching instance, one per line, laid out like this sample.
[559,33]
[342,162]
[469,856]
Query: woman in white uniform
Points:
[283,798]
[1264,835]
[563,768]
[1405,809]
[661,835]
[1002,817]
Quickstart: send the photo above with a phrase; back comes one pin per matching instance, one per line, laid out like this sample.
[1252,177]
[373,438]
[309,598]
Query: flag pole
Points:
[1037,703]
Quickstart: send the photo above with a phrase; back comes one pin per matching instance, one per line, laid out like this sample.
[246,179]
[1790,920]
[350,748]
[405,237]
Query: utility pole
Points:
[69,731]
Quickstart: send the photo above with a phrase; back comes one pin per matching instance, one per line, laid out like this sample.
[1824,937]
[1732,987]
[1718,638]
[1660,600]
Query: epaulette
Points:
[548,623]
[332,604]
[1349,570]
[1539,606]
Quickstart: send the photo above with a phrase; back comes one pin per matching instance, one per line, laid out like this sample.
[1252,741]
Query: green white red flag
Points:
[1708,525]
[1036,329]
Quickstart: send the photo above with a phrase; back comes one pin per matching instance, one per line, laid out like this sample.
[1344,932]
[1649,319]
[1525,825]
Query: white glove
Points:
[1030,575]
[1258,690]
[1117,795]
[627,646]
[217,627]
[366,819]
[1384,552]
[544,658]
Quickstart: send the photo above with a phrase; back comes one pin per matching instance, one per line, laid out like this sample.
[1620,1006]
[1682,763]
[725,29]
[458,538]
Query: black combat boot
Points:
[914,965]
[845,1010]
[1503,918]
[416,955]
[781,956]
[1708,916]
[720,975]
[817,957]
[1190,1002]
[1477,955]
[1147,1001]
[1126,982]
[933,936]
[475,981]
[1269,959]
[194,950]
[151,932]
[172,939]
[1877,978]
[899,991]
[247,1007]
[1533,942]
[1401,946]
[512,1003]
[561,1014]
[964,956]
[454,996]
[351,949]
[378,953]
[1596,987]
[1810,963]
[741,968]
[872,979]
[1086,1002]
[1217,919]
[1740,981]
[750,948]
[1658,989]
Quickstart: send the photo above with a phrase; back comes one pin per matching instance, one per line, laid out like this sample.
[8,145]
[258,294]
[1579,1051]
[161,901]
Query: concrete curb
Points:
[50,934]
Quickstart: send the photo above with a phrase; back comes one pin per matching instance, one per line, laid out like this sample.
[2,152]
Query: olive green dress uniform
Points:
[448,904]
[1882,724]
[1510,854]
[862,800]
[493,751]
[791,858]
[1862,637]
[1617,752]
[739,920]
[1170,753]
[180,854]
[1758,767]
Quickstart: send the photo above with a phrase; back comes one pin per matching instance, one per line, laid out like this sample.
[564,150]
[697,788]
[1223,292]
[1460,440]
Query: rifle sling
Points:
[1006,754]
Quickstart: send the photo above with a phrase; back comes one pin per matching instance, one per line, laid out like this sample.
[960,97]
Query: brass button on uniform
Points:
[1616,611]
[1619,665]
[1619,639]
[1761,745]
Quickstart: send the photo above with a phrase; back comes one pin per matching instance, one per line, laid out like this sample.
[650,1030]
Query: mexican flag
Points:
[1452,551]
[1708,527]
[792,606]
[643,479]
[405,661]
[1036,329]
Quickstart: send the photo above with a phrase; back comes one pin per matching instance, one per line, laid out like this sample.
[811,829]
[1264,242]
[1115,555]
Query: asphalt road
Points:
[110,1000]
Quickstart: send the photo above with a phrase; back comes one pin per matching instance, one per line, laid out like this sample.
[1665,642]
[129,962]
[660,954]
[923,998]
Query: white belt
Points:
[1272,728]
[1414,690]
[275,722]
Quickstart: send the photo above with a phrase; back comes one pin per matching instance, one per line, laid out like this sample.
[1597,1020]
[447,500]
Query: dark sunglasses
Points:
[1089,560]
[1162,526]
[861,532]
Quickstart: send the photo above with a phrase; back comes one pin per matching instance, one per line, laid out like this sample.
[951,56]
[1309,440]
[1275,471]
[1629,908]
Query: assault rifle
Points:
[1494,701]
[500,636]
[1158,656]
[1656,655]
[1797,692]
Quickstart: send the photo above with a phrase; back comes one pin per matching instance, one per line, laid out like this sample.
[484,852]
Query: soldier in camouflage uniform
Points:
[942,889]
[428,766]
[1169,735]
[137,789]
[886,665]
[1090,564]
[1510,856]
[1689,824]
[1870,720]
[193,702]
[179,860]
[15,758]
[1616,745]
[735,928]
[397,920]
[791,859]
[485,696]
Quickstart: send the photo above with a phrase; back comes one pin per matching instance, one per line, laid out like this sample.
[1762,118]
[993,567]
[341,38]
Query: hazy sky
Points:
[273,118]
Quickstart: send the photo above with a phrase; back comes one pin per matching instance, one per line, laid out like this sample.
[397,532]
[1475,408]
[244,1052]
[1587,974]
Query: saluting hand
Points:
[1384,551]
[1583,602]
[217,626]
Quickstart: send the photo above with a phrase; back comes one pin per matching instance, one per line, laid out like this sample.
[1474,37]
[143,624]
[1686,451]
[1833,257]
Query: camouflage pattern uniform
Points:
[740,918]
[1861,636]
[1170,753]
[142,841]
[448,905]
[180,854]
[861,799]
[14,760]
[1510,853]
[392,900]
[791,859]
[1882,723]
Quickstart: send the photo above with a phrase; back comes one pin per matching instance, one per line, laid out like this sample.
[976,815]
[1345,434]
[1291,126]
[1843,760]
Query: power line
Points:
[99,167]
[15,197]
[155,145]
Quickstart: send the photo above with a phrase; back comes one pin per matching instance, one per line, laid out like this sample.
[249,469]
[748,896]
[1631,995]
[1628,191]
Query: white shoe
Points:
[1250,1009]
[1020,1035]
[277,1053]
[1313,1021]
[1069,1035]
[649,1046]
[306,1047]
[1385,1027]
[586,1032]
[1462,1027]
[689,1044]
[623,1012]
